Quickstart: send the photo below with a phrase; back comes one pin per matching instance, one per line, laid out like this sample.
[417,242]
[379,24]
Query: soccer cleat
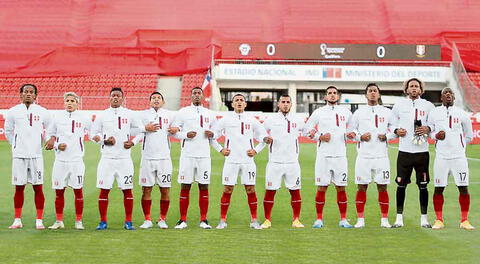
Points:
[39,224]
[344,224]
[466,225]
[181,224]
[17,224]
[57,225]
[255,224]
[397,225]
[102,225]
[318,223]
[267,224]
[360,223]
[221,225]
[162,224]
[204,224]
[128,226]
[384,223]
[146,224]
[438,224]
[424,221]
[79,225]
[297,224]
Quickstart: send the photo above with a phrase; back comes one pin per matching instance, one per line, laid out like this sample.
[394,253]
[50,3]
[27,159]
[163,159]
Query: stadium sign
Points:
[330,51]
[329,73]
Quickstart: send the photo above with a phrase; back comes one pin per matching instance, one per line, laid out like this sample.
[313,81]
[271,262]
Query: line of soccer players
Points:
[117,129]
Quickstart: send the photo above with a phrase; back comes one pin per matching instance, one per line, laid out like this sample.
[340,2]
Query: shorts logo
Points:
[182,177]
[269,184]
[100,182]
[318,179]
[144,180]
[437,180]
[226,178]
[56,183]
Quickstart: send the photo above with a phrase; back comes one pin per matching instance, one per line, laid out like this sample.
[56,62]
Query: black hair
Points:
[405,85]
[378,88]
[197,88]
[332,87]
[239,94]
[154,93]
[116,89]
[284,95]
[28,85]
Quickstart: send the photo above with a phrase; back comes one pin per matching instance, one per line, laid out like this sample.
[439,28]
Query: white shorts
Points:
[158,171]
[330,170]
[290,172]
[247,173]
[456,167]
[68,173]
[27,170]
[115,169]
[194,170]
[366,168]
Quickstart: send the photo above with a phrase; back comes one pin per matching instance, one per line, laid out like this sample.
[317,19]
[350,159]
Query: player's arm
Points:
[51,135]
[171,128]
[310,125]
[431,123]
[47,119]
[467,128]
[390,126]
[10,127]
[352,127]
[180,122]
[97,130]
[397,130]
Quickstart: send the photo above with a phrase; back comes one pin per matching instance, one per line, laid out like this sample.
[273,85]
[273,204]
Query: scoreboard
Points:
[330,51]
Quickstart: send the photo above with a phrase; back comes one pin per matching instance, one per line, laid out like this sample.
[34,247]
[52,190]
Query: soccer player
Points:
[239,130]
[452,128]
[195,123]
[156,164]
[66,133]
[410,124]
[331,162]
[24,124]
[371,125]
[284,129]
[112,129]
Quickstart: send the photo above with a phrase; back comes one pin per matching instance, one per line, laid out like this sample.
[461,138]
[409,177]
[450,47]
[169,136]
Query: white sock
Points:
[399,218]
[424,219]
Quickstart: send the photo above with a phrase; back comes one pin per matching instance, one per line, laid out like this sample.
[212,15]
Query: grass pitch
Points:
[237,243]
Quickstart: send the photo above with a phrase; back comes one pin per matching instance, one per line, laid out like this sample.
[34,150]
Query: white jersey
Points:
[24,130]
[69,128]
[333,120]
[405,112]
[240,130]
[156,145]
[458,131]
[120,123]
[376,120]
[198,119]
[284,130]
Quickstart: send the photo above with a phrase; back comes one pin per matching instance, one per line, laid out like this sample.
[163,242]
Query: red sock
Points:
[103,204]
[59,204]
[384,202]
[18,200]
[128,204]
[268,201]
[164,205]
[39,200]
[319,203]
[464,200]
[203,204]
[342,204]
[438,206]
[296,202]
[224,203]
[360,201]
[146,207]
[78,204]
[184,201]
[252,203]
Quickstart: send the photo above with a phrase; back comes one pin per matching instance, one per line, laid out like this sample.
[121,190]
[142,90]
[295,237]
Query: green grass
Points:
[238,243]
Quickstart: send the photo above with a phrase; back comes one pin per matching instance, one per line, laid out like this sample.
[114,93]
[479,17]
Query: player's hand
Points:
[173,130]
[366,137]
[325,137]
[191,134]
[225,152]
[251,152]
[351,135]
[50,143]
[422,130]
[208,134]
[311,134]
[152,127]
[268,140]
[96,138]
[109,141]
[440,135]
[401,132]
[62,146]
[128,144]
[382,137]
